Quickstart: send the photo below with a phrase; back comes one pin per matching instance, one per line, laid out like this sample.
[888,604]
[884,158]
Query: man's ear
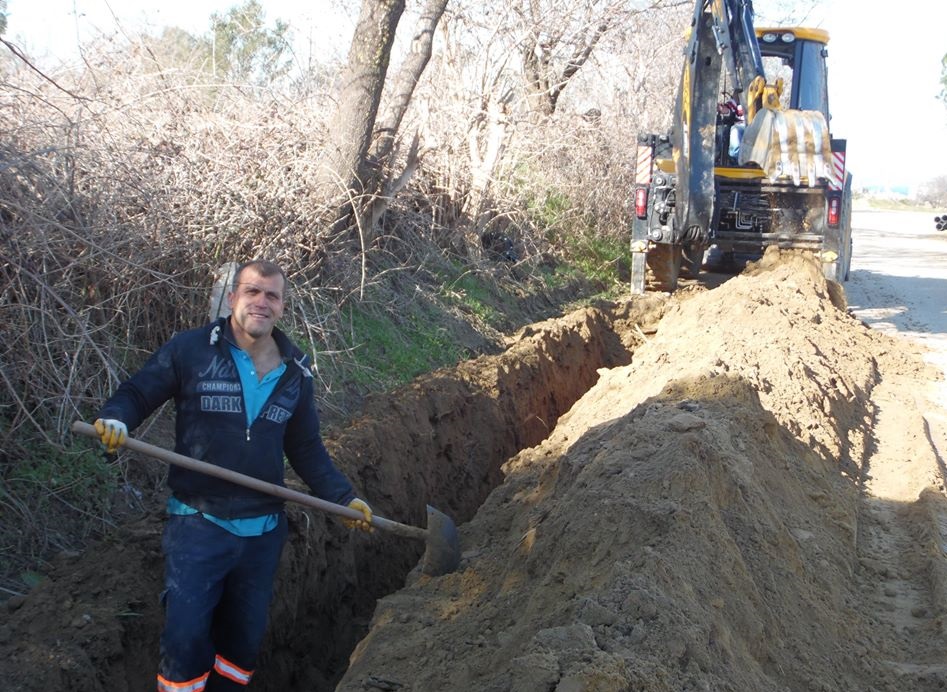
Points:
[230,296]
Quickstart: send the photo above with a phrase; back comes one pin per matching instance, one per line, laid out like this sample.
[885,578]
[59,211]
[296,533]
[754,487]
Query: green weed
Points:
[78,476]
[393,349]
[473,296]
[550,211]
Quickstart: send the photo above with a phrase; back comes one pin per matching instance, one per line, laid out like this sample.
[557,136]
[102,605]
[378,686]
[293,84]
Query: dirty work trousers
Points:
[218,589]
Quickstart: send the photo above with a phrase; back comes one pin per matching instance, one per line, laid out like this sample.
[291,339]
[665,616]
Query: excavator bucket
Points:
[790,144]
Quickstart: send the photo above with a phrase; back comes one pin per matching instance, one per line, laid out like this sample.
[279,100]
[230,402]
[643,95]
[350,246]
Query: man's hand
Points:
[360,524]
[112,432]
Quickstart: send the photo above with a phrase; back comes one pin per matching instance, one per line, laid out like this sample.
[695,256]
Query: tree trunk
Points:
[536,69]
[486,141]
[346,164]
[387,183]
[408,76]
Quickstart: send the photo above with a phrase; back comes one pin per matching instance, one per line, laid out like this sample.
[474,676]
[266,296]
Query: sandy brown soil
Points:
[730,489]
[705,518]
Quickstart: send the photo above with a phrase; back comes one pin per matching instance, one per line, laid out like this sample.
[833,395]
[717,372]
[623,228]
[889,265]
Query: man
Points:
[244,397]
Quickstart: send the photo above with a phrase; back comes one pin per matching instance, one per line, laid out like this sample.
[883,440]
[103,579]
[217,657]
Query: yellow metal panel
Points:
[740,173]
[801,33]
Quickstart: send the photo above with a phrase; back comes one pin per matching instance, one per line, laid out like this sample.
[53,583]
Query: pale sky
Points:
[885,68]
[884,64]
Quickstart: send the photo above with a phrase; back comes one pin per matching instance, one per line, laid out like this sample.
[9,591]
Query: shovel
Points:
[793,144]
[442,546]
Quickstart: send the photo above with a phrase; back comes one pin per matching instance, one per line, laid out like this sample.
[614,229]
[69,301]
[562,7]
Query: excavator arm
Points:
[736,42]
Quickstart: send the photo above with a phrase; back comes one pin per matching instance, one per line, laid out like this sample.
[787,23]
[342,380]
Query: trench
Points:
[442,440]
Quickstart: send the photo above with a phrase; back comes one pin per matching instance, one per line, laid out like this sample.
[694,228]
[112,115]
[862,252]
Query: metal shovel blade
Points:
[442,547]
[757,143]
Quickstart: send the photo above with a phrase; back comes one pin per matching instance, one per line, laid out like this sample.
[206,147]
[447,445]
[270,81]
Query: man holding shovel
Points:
[244,397]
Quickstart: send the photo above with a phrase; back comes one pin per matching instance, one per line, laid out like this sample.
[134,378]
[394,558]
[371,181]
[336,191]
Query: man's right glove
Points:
[361,524]
[112,432]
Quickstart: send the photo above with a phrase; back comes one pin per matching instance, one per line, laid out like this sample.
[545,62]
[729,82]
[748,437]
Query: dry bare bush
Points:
[120,202]
[492,161]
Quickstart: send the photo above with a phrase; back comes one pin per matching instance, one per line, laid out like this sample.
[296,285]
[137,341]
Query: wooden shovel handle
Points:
[279,491]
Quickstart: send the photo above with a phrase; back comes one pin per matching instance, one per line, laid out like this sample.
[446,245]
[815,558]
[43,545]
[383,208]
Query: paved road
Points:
[898,284]
[898,281]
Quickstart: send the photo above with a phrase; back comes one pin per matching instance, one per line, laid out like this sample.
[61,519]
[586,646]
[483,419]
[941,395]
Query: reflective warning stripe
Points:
[195,685]
[643,166]
[231,671]
[838,170]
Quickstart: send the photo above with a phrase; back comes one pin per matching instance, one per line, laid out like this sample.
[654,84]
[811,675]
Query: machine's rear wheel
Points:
[665,264]
[692,259]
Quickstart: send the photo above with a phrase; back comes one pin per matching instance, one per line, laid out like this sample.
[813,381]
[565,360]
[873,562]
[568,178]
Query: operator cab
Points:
[799,57]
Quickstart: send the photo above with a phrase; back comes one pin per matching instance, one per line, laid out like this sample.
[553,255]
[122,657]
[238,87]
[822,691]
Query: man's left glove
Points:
[360,524]
[112,432]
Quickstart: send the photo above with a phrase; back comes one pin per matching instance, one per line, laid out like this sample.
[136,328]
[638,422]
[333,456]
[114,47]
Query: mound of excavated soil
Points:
[692,523]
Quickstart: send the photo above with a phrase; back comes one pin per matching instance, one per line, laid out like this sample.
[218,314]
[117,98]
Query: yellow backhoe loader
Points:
[749,161]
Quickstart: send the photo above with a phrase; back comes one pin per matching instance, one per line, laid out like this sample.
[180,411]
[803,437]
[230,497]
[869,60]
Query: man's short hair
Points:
[264,268]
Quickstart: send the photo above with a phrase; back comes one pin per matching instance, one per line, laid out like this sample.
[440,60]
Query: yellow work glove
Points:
[112,432]
[360,524]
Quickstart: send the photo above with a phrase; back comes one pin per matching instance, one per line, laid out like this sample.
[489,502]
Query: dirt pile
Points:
[691,524]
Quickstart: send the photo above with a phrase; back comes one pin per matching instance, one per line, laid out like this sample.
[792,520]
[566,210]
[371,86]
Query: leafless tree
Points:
[387,182]
[494,94]
[346,163]
[359,160]
[558,39]
[786,12]
[548,42]
[934,192]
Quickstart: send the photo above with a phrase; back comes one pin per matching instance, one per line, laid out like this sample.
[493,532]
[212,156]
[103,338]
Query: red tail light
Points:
[834,205]
[641,202]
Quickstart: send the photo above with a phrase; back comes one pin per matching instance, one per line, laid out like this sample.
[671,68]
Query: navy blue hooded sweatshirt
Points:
[196,369]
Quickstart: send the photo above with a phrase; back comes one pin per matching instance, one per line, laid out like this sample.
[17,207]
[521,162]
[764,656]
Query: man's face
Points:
[256,303]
